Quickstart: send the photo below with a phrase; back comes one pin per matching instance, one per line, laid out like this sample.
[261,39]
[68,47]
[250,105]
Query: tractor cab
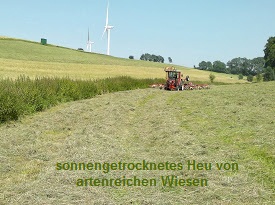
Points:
[173,79]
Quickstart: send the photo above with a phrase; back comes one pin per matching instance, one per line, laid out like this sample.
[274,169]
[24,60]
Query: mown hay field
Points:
[225,124]
[229,124]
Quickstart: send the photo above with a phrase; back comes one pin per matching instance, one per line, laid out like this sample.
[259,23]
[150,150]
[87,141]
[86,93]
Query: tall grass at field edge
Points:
[24,96]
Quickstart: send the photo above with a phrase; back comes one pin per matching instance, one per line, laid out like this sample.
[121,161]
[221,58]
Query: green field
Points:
[226,124]
[18,57]
[231,124]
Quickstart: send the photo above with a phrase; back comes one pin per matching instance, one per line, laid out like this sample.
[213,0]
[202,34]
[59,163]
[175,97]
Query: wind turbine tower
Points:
[107,29]
[89,43]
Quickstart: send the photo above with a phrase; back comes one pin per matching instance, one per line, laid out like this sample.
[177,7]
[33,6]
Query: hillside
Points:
[20,57]
[226,124]
[227,131]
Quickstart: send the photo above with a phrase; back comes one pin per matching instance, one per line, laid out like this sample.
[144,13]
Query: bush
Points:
[250,78]
[212,77]
[240,76]
[269,74]
[259,77]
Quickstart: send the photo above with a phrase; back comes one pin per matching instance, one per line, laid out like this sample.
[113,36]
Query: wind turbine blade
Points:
[103,33]
[107,16]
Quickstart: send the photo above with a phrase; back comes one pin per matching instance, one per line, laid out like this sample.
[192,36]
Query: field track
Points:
[229,123]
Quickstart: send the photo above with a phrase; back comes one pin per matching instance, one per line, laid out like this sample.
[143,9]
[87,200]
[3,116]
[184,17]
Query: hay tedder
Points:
[174,81]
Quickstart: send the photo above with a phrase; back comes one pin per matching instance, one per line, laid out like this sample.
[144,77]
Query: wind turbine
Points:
[89,43]
[108,29]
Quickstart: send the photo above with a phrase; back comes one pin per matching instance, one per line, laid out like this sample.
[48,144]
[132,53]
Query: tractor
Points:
[173,79]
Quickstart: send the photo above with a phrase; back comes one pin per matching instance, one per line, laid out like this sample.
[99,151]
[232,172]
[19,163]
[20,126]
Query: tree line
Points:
[259,67]
[152,57]
[238,65]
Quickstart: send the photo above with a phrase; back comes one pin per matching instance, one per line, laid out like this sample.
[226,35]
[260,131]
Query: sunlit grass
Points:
[229,123]
[19,57]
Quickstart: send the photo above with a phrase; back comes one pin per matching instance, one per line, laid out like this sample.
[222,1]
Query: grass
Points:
[25,96]
[227,123]
[19,57]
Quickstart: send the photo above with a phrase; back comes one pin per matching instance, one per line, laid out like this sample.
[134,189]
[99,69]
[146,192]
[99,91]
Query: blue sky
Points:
[188,31]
